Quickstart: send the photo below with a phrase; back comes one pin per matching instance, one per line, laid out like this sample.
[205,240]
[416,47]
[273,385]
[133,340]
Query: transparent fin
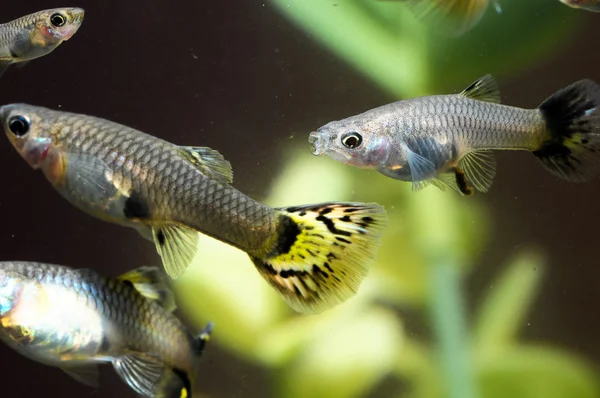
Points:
[4,67]
[447,180]
[151,283]
[479,168]
[202,338]
[89,179]
[421,169]
[457,16]
[141,373]
[85,374]
[483,89]
[210,162]
[322,253]
[177,245]
[21,64]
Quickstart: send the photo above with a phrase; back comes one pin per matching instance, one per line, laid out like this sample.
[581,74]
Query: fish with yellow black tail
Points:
[323,253]
[314,256]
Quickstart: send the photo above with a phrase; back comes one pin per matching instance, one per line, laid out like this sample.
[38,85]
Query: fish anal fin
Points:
[479,168]
[86,374]
[141,372]
[151,283]
[483,89]
[210,162]
[177,245]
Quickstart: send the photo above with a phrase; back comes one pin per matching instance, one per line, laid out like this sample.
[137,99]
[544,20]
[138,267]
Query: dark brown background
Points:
[236,76]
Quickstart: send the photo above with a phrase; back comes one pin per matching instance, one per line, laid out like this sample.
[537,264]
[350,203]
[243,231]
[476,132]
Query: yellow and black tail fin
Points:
[572,117]
[322,253]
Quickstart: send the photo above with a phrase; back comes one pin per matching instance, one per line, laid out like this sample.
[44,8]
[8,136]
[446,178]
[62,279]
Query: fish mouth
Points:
[317,143]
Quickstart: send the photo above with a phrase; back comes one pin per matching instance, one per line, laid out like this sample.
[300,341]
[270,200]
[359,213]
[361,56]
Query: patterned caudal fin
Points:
[322,253]
[572,116]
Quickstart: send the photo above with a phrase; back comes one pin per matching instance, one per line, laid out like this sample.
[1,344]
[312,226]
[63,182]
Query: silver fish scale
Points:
[169,185]
[132,323]
[469,123]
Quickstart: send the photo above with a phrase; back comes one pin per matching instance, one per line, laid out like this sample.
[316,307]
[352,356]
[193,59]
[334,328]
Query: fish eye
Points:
[352,140]
[58,20]
[19,125]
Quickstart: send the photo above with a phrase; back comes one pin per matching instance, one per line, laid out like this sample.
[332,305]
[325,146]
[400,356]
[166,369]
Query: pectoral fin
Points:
[4,66]
[89,179]
[177,245]
[85,374]
[421,169]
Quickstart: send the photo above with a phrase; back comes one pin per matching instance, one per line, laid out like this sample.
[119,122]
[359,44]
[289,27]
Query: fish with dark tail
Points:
[36,35]
[75,319]
[315,256]
[447,140]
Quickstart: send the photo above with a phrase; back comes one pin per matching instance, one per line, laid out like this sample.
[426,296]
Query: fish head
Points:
[351,142]
[28,131]
[54,26]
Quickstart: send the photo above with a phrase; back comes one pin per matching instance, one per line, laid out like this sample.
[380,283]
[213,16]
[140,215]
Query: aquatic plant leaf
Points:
[533,372]
[503,311]
[345,359]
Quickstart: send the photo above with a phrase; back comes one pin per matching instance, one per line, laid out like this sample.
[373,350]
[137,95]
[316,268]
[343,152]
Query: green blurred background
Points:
[491,296]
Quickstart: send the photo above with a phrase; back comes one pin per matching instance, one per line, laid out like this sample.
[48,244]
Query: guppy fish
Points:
[36,35]
[458,15]
[315,256]
[76,319]
[446,139]
[590,5]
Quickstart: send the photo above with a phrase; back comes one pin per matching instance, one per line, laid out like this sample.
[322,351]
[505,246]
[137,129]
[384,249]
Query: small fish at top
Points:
[76,319]
[590,5]
[315,256]
[36,35]
[446,140]
[460,16]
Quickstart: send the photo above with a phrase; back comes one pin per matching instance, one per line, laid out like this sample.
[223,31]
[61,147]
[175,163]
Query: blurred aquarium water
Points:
[491,296]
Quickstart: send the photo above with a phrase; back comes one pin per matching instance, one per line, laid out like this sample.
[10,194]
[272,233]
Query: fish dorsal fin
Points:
[177,245]
[483,89]
[210,162]
[86,374]
[151,283]
[202,338]
[141,372]
[479,168]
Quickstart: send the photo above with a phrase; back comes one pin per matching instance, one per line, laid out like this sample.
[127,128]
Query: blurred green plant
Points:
[432,242]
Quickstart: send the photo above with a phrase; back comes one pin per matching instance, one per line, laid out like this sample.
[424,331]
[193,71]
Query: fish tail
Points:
[322,253]
[572,116]
[458,16]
